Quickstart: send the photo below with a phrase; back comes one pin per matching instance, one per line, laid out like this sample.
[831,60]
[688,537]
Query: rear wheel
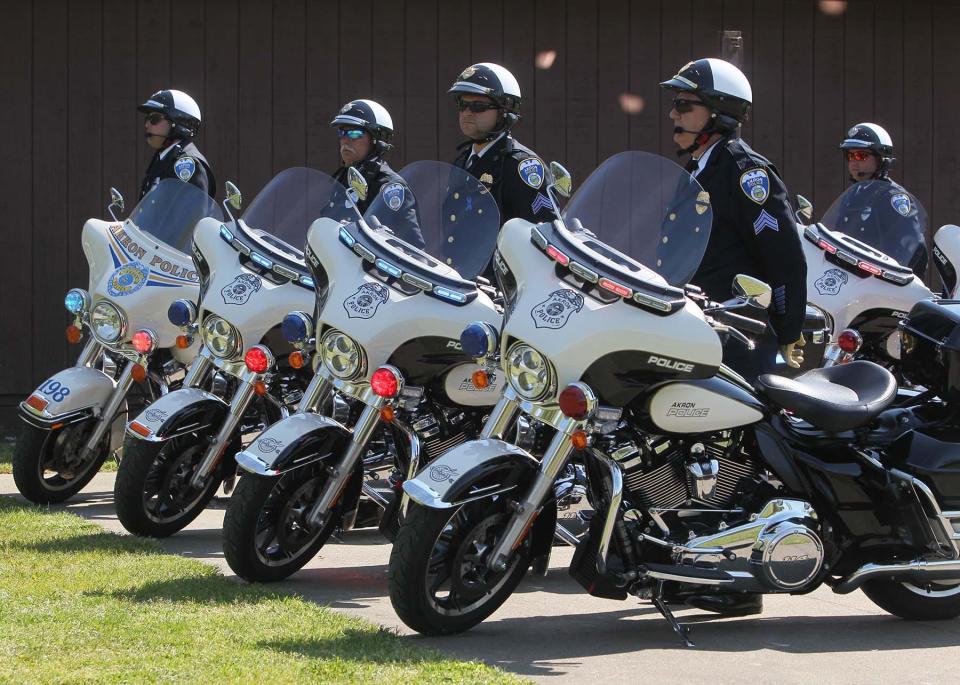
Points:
[50,466]
[439,581]
[935,601]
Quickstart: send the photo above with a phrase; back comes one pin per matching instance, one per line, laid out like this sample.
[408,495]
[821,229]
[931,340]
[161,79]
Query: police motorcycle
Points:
[252,272]
[946,257]
[74,420]
[701,483]
[384,338]
[859,259]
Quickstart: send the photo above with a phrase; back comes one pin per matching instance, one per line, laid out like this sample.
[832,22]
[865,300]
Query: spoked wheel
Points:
[439,580]
[50,466]
[153,490]
[934,601]
[266,535]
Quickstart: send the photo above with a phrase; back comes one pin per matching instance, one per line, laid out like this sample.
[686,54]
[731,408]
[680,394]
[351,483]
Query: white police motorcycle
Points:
[74,420]
[384,339]
[252,272]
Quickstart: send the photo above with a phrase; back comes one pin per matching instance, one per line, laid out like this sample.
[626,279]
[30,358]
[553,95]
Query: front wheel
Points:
[932,602]
[266,536]
[49,466]
[439,581]
[153,492]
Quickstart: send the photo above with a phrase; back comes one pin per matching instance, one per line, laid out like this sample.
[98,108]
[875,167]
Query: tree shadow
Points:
[198,589]
[378,647]
[90,542]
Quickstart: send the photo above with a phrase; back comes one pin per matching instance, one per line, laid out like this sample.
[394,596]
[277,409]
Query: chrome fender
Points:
[445,482]
[181,411]
[293,442]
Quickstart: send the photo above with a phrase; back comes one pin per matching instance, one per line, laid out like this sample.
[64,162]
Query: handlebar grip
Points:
[743,323]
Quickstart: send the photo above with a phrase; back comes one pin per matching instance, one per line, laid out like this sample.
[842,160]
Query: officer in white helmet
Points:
[754,231]
[172,119]
[879,210]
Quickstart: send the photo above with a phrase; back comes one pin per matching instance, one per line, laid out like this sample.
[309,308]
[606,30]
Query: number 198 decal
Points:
[57,390]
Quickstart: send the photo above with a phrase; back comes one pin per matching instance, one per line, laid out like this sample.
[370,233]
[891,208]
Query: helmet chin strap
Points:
[701,139]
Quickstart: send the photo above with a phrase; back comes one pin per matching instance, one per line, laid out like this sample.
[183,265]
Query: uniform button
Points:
[479,211]
[453,217]
[665,238]
[449,260]
[673,217]
[659,262]
[450,239]
[696,229]
[456,196]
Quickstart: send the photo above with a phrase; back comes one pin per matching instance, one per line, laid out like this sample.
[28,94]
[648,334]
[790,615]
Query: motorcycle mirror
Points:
[804,209]
[562,180]
[753,290]
[357,183]
[233,195]
[116,200]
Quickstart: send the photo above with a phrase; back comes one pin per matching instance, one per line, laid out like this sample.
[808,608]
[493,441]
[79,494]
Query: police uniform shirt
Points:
[754,232]
[399,211]
[181,160]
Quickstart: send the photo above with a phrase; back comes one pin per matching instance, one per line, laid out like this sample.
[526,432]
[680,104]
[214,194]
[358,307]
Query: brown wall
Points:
[269,76]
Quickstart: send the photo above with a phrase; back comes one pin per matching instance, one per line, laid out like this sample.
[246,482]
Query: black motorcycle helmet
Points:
[496,83]
[721,86]
[872,137]
[372,117]
[181,109]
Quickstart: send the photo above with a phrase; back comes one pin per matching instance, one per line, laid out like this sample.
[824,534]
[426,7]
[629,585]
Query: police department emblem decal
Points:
[554,311]
[831,282]
[363,303]
[468,72]
[185,168]
[756,185]
[393,196]
[269,445]
[531,171]
[240,290]
[442,472]
[128,279]
[902,204]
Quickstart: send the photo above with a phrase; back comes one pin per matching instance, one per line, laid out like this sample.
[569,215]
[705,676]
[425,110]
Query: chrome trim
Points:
[90,351]
[372,493]
[693,580]
[950,534]
[238,406]
[613,509]
[414,464]
[315,395]
[109,411]
[917,570]
[253,465]
[501,416]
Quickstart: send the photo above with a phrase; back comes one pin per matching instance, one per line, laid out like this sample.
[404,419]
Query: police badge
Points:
[393,196]
[240,290]
[185,168]
[902,204]
[554,311]
[128,279]
[363,303]
[831,282]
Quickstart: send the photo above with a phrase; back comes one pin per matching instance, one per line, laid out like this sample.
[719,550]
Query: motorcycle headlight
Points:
[528,372]
[220,337]
[108,322]
[342,356]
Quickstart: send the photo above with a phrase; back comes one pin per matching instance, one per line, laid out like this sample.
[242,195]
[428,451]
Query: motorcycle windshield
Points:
[646,208]
[171,210]
[281,213]
[454,217]
[886,218]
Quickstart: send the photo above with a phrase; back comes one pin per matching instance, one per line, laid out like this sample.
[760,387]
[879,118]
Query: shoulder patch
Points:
[393,195]
[901,203]
[531,171]
[756,185]
[185,167]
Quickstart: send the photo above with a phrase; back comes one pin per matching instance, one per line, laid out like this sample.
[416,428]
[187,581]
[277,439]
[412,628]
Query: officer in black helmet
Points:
[878,207]
[364,128]
[172,120]
[754,230]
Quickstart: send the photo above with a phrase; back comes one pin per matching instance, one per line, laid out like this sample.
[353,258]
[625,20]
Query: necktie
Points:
[692,165]
[473,160]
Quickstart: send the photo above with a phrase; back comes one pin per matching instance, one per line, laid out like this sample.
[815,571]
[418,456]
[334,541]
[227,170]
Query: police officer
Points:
[365,128]
[172,120]
[754,231]
[884,211]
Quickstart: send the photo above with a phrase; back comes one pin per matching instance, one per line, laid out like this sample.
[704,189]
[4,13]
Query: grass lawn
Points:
[78,604]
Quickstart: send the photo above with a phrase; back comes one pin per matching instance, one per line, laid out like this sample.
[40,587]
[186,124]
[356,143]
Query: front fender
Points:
[76,392]
[181,411]
[446,481]
[295,441]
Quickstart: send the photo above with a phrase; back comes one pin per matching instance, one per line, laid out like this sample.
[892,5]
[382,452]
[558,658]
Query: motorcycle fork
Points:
[315,395]
[501,416]
[89,353]
[109,410]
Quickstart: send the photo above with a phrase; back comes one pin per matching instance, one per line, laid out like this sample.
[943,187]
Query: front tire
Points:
[265,533]
[933,602]
[48,466]
[152,491]
[438,581]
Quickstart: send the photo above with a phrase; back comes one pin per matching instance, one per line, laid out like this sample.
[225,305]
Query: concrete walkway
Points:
[550,630]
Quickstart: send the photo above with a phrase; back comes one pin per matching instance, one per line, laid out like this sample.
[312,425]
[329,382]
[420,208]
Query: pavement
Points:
[551,631]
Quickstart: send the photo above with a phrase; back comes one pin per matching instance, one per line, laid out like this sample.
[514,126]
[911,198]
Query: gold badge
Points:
[468,72]
[703,202]
[486,178]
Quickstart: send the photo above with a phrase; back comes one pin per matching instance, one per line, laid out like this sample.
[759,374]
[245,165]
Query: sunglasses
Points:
[351,133]
[476,106]
[154,118]
[683,106]
[858,155]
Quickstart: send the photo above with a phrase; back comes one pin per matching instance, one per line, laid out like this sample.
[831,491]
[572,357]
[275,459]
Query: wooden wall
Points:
[270,75]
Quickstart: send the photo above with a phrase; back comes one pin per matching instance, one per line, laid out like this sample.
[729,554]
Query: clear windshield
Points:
[649,209]
[170,211]
[455,220]
[882,216]
[281,213]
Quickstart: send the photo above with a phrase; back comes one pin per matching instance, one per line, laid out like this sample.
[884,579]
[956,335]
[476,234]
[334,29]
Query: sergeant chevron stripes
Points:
[765,221]
[540,202]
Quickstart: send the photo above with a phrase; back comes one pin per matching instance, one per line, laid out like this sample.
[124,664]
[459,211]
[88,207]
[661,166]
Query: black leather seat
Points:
[835,399]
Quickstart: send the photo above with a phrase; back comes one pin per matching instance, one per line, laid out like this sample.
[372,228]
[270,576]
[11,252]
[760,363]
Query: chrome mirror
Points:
[116,202]
[753,290]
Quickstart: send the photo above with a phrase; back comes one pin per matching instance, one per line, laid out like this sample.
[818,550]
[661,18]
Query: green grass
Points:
[78,604]
[6,456]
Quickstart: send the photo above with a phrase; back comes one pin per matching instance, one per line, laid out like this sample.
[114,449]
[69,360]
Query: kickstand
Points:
[682,631]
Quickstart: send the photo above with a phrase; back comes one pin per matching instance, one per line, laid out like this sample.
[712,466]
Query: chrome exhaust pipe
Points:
[916,570]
